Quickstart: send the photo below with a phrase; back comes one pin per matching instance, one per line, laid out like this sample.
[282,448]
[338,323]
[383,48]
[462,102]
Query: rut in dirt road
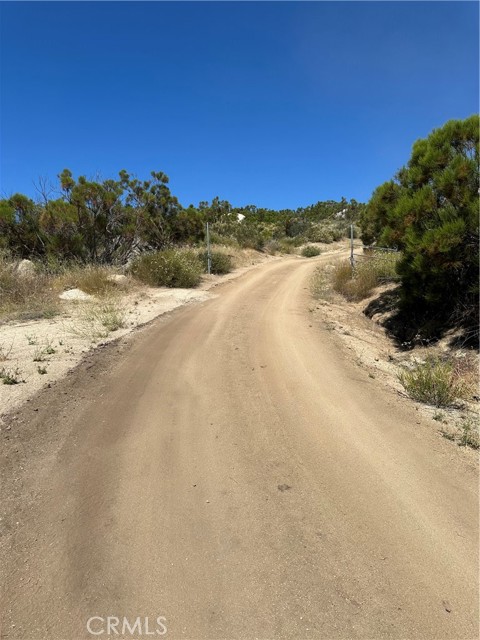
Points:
[236,474]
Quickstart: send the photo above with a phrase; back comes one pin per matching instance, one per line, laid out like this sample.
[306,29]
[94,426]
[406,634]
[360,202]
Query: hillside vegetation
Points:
[110,221]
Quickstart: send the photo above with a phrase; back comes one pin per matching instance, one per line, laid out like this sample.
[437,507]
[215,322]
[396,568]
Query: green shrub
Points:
[169,268]
[434,382]
[227,240]
[310,251]
[321,233]
[221,262]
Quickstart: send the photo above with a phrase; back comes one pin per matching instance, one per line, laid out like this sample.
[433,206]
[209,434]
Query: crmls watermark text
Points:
[114,626]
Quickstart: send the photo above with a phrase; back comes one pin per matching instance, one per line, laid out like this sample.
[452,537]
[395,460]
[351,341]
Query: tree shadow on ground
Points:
[413,327]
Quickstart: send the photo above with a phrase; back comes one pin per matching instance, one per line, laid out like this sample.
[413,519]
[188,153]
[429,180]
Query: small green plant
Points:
[42,370]
[39,355]
[5,353]
[11,376]
[310,251]
[31,339]
[439,416]
[448,434]
[98,319]
[49,349]
[111,316]
[221,262]
[169,268]
[469,434]
[434,382]
[465,433]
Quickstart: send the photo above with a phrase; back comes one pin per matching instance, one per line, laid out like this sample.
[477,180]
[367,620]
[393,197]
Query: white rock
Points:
[75,294]
[117,278]
[26,268]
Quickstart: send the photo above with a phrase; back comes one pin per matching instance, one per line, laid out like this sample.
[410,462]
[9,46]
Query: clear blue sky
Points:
[276,104]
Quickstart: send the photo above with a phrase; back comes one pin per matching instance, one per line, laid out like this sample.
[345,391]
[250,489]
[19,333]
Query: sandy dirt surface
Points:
[231,469]
[367,344]
[42,351]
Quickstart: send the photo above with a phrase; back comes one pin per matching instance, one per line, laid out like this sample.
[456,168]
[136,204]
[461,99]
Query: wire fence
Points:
[381,261]
[368,252]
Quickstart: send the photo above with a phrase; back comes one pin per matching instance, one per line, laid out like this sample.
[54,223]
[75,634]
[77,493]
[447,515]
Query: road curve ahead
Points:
[235,473]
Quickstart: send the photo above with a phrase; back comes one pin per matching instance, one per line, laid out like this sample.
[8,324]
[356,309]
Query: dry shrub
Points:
[369,272]
[353,284]
[25,297]
[92,279]
[99,318]
[438,382]
[321,284]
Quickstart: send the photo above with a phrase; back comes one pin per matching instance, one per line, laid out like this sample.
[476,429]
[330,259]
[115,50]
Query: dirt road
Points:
[233,471]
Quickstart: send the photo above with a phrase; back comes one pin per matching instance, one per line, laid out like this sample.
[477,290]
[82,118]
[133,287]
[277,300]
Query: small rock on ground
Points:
[75,294]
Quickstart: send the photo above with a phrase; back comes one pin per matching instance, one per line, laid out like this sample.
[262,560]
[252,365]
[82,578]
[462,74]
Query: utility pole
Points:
[209,255]
[352,259]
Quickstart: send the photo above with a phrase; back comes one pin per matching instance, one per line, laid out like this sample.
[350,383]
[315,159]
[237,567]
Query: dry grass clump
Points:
[439,382]
[353,284]
[321,284]
[34,296]
[240,257]
[25,297]
[97,319]
[368,273]
[284,245]
[92,279]
[469,433]
[465,433]
[107,314]
[5,352]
